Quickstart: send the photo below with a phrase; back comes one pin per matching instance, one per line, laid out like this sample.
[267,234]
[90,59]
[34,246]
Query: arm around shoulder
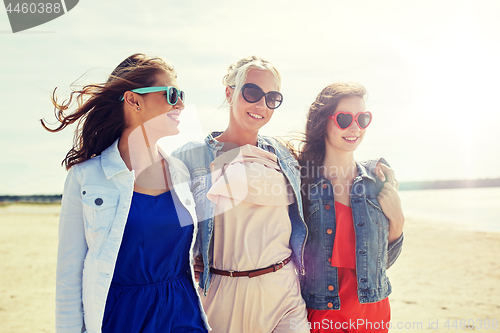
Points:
[70,257]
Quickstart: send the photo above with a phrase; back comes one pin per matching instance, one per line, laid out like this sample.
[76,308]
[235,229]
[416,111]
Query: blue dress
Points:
[152,290]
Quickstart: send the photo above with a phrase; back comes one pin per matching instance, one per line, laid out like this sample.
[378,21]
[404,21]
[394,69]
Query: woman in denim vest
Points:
[126,227]
[355,221]
[247,192]
[252,232]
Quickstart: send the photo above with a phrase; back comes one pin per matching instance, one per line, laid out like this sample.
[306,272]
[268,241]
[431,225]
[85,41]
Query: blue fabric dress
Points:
[152,289]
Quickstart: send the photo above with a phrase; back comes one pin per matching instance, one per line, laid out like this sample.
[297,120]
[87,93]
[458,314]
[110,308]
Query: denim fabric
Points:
[373,253]
[94,209]
[198,156]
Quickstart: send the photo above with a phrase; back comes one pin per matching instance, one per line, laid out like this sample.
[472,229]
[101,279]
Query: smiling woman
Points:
[101,107]
[126,225]
[355,220]
[251,228]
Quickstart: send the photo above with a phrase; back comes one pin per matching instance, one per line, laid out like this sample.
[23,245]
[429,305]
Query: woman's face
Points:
[156,104]
[250,117]
[157,115]
[349,139]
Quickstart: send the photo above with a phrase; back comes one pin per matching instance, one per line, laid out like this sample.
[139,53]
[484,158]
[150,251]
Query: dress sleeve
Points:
[70,256]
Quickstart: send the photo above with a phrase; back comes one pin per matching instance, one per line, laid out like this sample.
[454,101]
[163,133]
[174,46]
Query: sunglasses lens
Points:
[182,96]
[344,120]
[252,93]
[274,99]
[364,120]
[172,96]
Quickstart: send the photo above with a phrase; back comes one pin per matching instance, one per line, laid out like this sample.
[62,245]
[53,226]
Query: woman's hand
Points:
[386,173]
[198,268]
[391,206]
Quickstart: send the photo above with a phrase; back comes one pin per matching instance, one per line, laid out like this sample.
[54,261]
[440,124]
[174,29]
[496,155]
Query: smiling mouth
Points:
[255,115]
[174,116]
[351,139]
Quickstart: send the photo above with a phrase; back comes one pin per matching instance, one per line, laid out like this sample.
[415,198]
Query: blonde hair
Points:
[237,73]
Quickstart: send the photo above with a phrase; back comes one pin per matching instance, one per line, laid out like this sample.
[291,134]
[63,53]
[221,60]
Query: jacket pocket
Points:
[99,206]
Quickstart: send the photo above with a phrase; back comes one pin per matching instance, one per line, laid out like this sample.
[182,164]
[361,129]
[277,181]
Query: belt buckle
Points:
[231,273]
[278,265]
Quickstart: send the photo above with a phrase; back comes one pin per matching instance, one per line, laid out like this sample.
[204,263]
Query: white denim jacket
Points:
[95,206]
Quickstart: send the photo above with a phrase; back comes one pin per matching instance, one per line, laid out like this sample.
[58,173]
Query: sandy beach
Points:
[441,275]
[446,275]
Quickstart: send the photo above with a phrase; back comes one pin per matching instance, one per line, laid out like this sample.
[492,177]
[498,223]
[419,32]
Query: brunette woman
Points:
[355,221]
[126,225]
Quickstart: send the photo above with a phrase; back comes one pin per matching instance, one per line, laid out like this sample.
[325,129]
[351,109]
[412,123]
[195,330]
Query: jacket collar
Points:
[212,142]
[111,161]
[178,171]
[364,173]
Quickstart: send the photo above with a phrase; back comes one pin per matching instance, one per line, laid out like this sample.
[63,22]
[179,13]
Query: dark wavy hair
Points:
[99,113]
[312,151]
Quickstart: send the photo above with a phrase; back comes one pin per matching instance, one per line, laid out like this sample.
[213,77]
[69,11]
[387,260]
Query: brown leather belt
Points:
[253,273]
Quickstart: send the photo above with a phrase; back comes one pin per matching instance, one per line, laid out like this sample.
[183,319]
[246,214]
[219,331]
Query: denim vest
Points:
[373,253]
[198,156]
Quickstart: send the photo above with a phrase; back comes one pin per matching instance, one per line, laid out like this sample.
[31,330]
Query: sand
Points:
[446,275]
[441,274]
[28,248]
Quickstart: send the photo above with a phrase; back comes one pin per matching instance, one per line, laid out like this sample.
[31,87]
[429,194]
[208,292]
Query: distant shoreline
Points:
[449,184]
[404,186]
[30,199]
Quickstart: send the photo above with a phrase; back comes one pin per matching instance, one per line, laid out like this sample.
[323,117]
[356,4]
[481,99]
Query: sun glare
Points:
[457,80]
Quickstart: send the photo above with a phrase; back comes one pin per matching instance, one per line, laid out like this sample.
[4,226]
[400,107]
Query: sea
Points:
[472,209]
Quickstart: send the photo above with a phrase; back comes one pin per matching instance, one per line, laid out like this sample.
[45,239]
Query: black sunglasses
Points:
[252,93]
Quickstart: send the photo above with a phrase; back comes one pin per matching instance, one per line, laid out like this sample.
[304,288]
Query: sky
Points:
[431,69]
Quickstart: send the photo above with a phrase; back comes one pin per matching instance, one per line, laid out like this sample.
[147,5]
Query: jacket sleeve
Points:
[394,250]
[70,256]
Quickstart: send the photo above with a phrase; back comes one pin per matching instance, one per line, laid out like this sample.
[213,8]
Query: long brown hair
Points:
[99,114]
[312,152]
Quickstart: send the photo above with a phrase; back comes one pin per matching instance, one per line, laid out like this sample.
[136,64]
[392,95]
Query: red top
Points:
[375,316]
[344,247]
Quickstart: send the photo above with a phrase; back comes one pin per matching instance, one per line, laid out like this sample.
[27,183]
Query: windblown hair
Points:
[312,152]
[237,73]
[99,113]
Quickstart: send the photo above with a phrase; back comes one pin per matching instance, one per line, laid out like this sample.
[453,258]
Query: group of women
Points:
[280,240]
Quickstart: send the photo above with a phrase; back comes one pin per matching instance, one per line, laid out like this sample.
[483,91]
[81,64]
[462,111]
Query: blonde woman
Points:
[252,232]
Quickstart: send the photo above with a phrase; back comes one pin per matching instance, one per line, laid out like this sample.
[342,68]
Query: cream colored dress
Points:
[252,230]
